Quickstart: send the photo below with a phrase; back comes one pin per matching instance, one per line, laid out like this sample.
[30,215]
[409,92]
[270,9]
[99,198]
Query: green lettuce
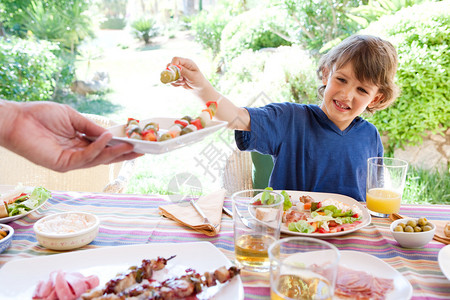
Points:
[22,205]
[301,226]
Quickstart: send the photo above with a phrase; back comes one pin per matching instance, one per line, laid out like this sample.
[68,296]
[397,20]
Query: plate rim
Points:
[365,222]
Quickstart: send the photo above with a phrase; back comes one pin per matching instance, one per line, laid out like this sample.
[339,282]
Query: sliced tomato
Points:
[197,123]
[322,230]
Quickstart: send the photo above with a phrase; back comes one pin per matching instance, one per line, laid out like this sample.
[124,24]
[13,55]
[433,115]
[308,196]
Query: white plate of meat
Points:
[343,202]
[364,275]
[107,262]
[444,261]
[159,147]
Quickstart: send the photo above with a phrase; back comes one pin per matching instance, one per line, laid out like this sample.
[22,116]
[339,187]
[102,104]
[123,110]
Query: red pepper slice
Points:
[355,216]
[197,123]
[182,123]
[257,202]
[211,102]
[212,105]
[130,119]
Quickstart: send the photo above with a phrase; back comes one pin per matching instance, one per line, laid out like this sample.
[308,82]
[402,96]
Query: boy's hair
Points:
[374,60]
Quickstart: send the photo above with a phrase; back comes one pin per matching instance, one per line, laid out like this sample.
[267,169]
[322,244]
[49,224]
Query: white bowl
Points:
[58,231]
[412,239]
[6,241]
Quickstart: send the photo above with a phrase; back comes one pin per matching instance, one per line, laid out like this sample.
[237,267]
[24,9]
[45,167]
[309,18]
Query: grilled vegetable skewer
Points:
[190,284]
[135,276]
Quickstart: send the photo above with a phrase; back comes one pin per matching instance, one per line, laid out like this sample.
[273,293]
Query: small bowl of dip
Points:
[67,230]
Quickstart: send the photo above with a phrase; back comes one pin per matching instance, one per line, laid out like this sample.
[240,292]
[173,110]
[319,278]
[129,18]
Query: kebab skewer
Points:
[135,276]
[190,284]
[182,126]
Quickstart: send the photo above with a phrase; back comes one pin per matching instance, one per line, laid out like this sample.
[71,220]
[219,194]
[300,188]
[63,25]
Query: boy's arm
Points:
[191,78]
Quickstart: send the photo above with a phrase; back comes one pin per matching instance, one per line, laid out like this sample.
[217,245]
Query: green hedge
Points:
[28,69]
[283,74]
[253,30]
[208,27]
[421,35]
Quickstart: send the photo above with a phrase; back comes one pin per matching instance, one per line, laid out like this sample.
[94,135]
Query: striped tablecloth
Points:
[134,219]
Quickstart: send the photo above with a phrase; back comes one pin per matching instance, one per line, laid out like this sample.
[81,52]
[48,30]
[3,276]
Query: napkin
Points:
[210,204]
[439,234]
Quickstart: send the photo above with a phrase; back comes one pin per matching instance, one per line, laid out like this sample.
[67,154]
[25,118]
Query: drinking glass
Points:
[385,184]
[303,268]
[256,223]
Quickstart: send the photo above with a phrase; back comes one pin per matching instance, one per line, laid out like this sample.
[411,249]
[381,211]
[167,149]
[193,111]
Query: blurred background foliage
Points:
[269,46]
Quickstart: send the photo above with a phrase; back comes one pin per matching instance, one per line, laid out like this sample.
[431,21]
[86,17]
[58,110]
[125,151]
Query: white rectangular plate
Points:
[366,218]
[140,146]
[21,276]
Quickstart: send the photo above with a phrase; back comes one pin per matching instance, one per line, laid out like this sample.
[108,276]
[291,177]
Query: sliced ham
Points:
[295,216]
[354,284]
[64,286]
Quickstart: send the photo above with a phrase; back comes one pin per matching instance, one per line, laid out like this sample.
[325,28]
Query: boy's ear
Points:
[378,97]
[325,73]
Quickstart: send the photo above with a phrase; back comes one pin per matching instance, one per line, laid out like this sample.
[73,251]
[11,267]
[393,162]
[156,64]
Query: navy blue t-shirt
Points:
[309,151]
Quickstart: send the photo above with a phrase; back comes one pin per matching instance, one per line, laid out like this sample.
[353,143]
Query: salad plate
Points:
[150,147]
[360,261]
[104,262]
[7,191]
[444,261]
[346,202]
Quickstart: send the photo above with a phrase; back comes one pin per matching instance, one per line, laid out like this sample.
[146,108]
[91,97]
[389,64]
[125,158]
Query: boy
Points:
[316,148]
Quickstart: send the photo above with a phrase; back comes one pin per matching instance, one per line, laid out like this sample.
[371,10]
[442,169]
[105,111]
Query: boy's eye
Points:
[341,79]
[363,90]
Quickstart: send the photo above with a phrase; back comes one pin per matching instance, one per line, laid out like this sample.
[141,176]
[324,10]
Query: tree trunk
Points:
[188,7]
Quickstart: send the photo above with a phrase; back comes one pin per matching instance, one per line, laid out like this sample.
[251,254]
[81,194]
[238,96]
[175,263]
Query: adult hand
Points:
[49,134]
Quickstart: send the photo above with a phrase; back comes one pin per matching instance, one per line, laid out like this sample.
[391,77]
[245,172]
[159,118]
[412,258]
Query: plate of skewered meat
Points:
[161,135]
[155,271]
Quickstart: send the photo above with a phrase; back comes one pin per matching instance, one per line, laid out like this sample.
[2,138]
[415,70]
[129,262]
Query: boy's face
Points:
[345,97]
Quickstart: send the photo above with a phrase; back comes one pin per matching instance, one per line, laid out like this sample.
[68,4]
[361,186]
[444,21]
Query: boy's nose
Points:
[347,93]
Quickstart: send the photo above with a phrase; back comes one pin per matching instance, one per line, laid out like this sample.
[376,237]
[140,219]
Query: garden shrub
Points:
[283,74]
[28,69]
[144,29]
[208,29]
[254,29]
[113,23]
[421,35]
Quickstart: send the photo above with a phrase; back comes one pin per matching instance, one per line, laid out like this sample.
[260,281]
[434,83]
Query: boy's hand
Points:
[191,77]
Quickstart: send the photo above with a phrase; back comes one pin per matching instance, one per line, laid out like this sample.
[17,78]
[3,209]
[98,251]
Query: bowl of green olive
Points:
[413,232]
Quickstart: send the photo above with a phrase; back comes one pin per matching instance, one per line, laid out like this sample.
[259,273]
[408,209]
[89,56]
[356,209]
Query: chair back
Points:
[237,175]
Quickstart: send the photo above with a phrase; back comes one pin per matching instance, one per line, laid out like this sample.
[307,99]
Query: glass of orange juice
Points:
[385,184]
